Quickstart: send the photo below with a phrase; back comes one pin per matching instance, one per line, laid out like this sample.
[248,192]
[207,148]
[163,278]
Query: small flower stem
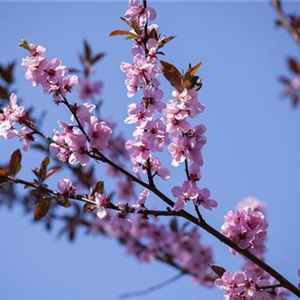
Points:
[153,288]
[66,102]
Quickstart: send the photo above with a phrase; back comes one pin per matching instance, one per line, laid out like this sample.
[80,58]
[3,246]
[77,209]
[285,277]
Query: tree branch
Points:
[284,22]
[205,226]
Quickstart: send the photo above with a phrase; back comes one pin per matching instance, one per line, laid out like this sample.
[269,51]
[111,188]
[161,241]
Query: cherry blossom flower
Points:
[184,194]
[247,228]
[136,12]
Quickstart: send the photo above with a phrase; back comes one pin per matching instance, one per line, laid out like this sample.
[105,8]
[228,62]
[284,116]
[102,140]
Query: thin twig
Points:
[66,102]
[152,288]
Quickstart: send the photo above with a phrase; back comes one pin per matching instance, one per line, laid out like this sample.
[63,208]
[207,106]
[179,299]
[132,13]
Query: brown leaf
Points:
[294,66]
[41,208]
[165,41]
[43,169]
[218,270]
[15,162]
[88,51]
[172,75]
[97,57]
[153,34]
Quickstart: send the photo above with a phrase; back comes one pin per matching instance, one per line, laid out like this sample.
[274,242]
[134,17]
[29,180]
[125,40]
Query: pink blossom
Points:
[9,117]
[51,75]
[155,133]
[246,228]
[26,136]
[99,134]
[65,187]
[141,72]
[203,199]
[177,149]
[156,167]
[139,150]
[137,114]
[136,12]
[244,285]
[141,200]
[184,194]
[125,189]
[88,88]
[102,201]
[152,99]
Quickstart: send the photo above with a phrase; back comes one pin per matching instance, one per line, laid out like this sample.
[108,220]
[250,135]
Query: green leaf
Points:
[131,37]
[98,188]
[24,44]
[41,208]
[88,208]
[218,270]
[66,203]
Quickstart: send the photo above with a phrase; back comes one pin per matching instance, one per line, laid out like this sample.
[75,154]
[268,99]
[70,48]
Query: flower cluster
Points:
[138,13]
[147,239]
[87,89]
[247,226]
[71,143]
[9,117]
[245,285]
[186,147]
[51,75]
[151,133]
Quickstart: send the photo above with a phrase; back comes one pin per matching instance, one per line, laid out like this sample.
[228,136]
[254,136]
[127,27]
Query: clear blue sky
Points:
[253,139]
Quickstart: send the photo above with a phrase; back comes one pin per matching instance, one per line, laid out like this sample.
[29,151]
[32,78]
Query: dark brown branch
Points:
[43,188]
[284,22]
[205,226]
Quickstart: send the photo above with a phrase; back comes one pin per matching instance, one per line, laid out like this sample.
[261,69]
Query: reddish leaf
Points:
[121,32]
[51,172]
[294,66]
[97,57]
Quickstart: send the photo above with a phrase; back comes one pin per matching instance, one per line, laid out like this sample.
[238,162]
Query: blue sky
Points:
[253,139]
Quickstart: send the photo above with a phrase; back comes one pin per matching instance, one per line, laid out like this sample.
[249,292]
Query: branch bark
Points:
[284,22]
